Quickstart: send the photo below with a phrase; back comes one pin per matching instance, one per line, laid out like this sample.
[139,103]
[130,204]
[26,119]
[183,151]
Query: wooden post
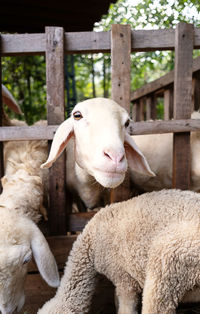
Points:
[148,108]
[120,80]
[142,108]
[1,120]
[184,36]
[134,108]
[56,115]
[168,104]
[196,91]
[121,64]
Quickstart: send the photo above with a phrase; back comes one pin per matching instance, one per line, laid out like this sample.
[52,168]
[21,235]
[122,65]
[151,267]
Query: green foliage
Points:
[25,76]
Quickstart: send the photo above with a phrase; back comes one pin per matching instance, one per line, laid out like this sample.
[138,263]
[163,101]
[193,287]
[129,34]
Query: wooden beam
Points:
[55,115]
[121,64]
[1,120]
[196,91]
[168,104]
[182,103]
[120,76]
[162,82]
[159,126]
[23,133]
[85,42]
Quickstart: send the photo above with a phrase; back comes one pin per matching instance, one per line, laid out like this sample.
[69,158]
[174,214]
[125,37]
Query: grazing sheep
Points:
[98,147]
[158,149]
[150,243]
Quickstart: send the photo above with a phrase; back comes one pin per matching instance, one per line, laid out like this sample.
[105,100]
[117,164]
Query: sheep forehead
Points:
[13,233]
[11,256]
[100,108]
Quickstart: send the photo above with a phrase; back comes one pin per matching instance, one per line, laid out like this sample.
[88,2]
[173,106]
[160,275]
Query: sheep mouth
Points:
[109,179]
[110,174]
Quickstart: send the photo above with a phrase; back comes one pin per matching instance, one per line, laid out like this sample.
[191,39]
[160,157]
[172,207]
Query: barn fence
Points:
[121,41]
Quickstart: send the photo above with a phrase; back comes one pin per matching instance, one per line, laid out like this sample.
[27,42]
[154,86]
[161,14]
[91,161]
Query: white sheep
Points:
[149,243]
[21,205]
[158,149]
[98,147]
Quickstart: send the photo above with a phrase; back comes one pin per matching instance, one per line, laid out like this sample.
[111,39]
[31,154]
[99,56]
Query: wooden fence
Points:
[120,42]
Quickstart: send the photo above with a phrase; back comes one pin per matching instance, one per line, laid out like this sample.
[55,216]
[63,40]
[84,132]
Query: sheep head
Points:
[20,238]
[102,144]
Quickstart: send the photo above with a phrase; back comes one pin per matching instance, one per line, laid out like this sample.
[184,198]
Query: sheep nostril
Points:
[107,155]
[116,158]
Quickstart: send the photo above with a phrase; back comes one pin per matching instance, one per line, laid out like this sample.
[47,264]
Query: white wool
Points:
[158,150]
[149,243]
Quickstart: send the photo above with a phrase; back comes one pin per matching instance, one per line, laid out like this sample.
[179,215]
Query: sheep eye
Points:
[77,115]
[27,259]
[127,123]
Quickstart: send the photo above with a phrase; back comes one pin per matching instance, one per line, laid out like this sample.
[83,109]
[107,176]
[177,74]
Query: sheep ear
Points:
[44,258]
[60,140]
[136,159]
[9,100]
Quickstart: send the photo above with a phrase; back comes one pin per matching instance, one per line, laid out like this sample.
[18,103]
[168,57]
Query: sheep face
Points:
[13,269]
[102,144]
[20,238]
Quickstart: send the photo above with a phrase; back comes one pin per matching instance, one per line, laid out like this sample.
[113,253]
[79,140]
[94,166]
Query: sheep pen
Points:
[60,218]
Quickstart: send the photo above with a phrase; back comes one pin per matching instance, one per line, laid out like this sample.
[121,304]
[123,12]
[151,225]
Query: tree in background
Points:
[25,76]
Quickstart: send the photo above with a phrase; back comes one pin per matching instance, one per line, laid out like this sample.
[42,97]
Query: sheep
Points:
[158,149]
[149,243]
[21,205]
[98,147]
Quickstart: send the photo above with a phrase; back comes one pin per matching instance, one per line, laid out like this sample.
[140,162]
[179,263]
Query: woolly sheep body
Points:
[158,150]
[21,204]
[148,243]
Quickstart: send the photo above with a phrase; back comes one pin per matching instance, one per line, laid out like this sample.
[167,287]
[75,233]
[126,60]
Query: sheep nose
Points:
[115,157]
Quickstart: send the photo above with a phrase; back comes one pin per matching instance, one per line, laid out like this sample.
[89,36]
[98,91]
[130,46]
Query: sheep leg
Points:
[127,295]
[126,303]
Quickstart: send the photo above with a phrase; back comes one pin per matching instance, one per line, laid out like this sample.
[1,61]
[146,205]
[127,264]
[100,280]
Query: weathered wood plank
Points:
[159,126]
[55,115]
[47,133]
[84,42]
[121,64]
[1,118]
[22,133]
[168,104]
[78,221]
[182,103]
[121,76]
[163,82]
[196,91]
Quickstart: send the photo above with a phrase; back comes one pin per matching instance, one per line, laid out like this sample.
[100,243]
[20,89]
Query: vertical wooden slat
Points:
[168,104]
[148,108]
[55,115]
[142,108]
[196,91]
[1,120]
[120,78]
[184,36]
[137,116]
[134,112]
[120,64]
